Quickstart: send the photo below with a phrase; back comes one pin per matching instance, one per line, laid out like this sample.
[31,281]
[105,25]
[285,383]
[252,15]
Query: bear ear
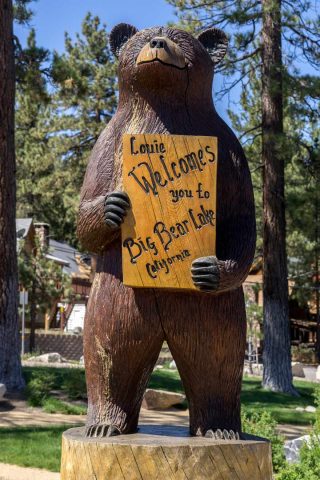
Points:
[119,35]
[215,42]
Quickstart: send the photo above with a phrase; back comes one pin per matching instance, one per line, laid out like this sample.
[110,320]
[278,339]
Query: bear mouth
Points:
[164,51]
[158,60]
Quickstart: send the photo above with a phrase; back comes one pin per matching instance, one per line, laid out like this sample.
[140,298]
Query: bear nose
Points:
[158,42]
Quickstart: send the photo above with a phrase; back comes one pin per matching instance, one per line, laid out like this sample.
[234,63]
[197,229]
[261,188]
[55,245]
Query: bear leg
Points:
[207,339]
[122,341]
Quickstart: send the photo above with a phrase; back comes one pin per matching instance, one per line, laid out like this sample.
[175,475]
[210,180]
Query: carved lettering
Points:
[170,180]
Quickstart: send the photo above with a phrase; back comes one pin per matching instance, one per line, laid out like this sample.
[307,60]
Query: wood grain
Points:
[171,183]
[158,453]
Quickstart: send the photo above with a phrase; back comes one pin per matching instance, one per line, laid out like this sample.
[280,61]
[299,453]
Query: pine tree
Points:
[262,34]
[38,193]
[63,103]
[84,102]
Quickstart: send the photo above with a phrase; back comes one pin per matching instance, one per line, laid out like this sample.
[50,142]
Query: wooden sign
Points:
[171,183]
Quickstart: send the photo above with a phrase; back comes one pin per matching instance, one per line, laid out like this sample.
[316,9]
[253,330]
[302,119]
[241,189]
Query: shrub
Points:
[309,466]
[75,385]
[39,387]
[55,405]
[262,424]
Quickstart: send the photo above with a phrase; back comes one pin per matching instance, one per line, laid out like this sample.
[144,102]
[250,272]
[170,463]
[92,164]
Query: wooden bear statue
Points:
[165,87]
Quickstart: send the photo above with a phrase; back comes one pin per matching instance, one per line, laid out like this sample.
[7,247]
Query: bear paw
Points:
[116,205]
[222,434]
[205,273]
[100,430]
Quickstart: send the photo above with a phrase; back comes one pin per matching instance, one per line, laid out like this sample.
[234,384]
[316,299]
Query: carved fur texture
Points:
[125,327]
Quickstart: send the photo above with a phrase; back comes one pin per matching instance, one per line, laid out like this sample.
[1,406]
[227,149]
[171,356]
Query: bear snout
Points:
[164,51]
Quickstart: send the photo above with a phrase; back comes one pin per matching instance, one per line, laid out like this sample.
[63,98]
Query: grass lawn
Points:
[283,407]
[254,397]
[38,447]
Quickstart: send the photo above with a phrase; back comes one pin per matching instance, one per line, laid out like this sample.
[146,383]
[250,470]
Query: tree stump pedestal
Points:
[163,453]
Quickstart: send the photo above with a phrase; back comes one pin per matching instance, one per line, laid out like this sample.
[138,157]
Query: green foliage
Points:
[42,277]
[55,405]
[303,189]
[85,100]
[262,424]
[42,381]
[61,376]
[282,406]
[166,380]
[253,396]
[39,387]
[21,12]
[75,385]
[70,381]
[308,467]
[39,196]
[299,146]
[63,103]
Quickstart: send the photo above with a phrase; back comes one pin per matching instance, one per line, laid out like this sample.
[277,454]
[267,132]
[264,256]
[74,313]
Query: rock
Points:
[47,358]
[77,330]
[2,390]
[310,409]
[299,409]
[310,372]
[318,374]
[172,365]
[160,399]
[292,448]
[297,369]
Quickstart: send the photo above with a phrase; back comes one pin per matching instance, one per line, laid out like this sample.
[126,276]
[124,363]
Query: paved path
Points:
[11,472]
[17,413]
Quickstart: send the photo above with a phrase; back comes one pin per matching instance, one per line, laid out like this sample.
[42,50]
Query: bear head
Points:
[166,61]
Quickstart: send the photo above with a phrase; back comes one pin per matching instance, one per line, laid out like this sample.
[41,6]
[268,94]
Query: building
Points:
[66,316]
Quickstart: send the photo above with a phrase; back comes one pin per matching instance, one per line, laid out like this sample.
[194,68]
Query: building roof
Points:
[23,226]
[64,254]
[73,263]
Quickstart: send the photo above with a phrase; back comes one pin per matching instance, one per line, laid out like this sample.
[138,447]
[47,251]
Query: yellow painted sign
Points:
[171,183]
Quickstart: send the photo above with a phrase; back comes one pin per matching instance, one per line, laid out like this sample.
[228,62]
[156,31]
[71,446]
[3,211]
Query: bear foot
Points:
[222,434]
[100,430]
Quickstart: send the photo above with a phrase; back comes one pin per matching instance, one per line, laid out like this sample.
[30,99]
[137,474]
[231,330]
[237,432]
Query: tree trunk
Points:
[33,316]
[317,285]
[10,365]
[276,355]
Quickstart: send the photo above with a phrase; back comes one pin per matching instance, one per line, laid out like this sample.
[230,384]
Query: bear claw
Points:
[102,430]
[222,434]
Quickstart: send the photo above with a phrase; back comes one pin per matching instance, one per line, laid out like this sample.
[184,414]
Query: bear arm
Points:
[236,256]
[92,230]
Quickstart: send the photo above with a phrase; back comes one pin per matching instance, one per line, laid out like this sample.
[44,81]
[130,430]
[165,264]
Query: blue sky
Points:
[54,17]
